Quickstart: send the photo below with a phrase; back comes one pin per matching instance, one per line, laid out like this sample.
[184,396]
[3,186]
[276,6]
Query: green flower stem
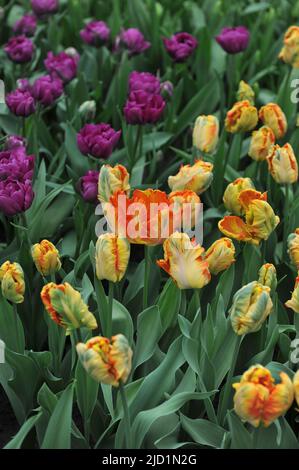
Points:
[15,311]
[101,314]
[147,261]
[137,147]
[110,309]
[286,218]
[126,418]
[228,385]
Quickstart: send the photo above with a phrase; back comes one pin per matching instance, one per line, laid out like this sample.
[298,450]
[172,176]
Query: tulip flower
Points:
[88,186]
[260,220]
[20,102]
[233,40]
[112,257]
[245,92]
[12,282]
[206,133]
[259,400]
[197,177]
[87,110]
[95,33]
[185,262]
[143,108]
[44,7]
[97,140]
[293,303]
[267,276]
[293,248]
[47,89]
[282,164]
[111,180]
[290,51]
[232,192]
[144,81]
[63,65]
[107,361]
[272,115]
[180,46]
[220,255]
[25,25]
[46,258]
[16,196]
[20,49]
[250,307]
[260,143]
[242,117]
[296,386]
[16,164]
[133,40]
[66,308]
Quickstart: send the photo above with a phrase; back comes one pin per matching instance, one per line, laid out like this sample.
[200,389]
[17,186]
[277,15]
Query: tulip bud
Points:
[12,282]
[206,133]
[258,400]
[106,361]
[186,208]
[282,164]
[185,262]
[166,89]
[296,386]
[232,192]
[261,143]
[197,177]
[290,51]
[272,115]
[245,92]
[220,255]
[66,308]
[88,110]
[267,276]
[112,257]
[251,306]
[293,248]
[293,303]
[46,258]
[242,117]
[112,180]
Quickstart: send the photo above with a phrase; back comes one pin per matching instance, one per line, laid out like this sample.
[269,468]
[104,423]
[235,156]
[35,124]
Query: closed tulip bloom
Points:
[293,303]
[245,92]
[19,49]
[267,276]
[259,400]
[290,51]
[112,257]
[47,89]
[251,306]
[66,307]
[88,109]
[16,164]
[88,186]
[282,164]
[197,177]
[233,40]
[12,282]
[111,180]
[44,7]
[272,115]
[133,40]
[21,103]
[184,262]
[97,140]
[242,117]
[15,196]
[206,133]
[143,108]
[232,192]
[293,248]
[46,258]
[63,65]
[296,386]
[220,255]
[180,46]
[107,361]
[260,219]
[25,25]
[95,33]
[144,81]
[260,143]
[185,207]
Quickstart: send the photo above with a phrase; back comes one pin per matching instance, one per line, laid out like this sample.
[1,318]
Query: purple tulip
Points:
[26,25]
[14,141]
[180,46]
[63,65]
[97,140]
[133,40]
[47,89]
[20,103]
[233,40]
[95,33]
[88,186]
[15,196]
[144,81]
[23,84]
[143,108]
[19,49]
[44,7]
[16,164]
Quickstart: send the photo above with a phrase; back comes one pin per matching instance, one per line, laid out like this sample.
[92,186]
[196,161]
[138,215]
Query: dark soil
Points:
[8,423]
